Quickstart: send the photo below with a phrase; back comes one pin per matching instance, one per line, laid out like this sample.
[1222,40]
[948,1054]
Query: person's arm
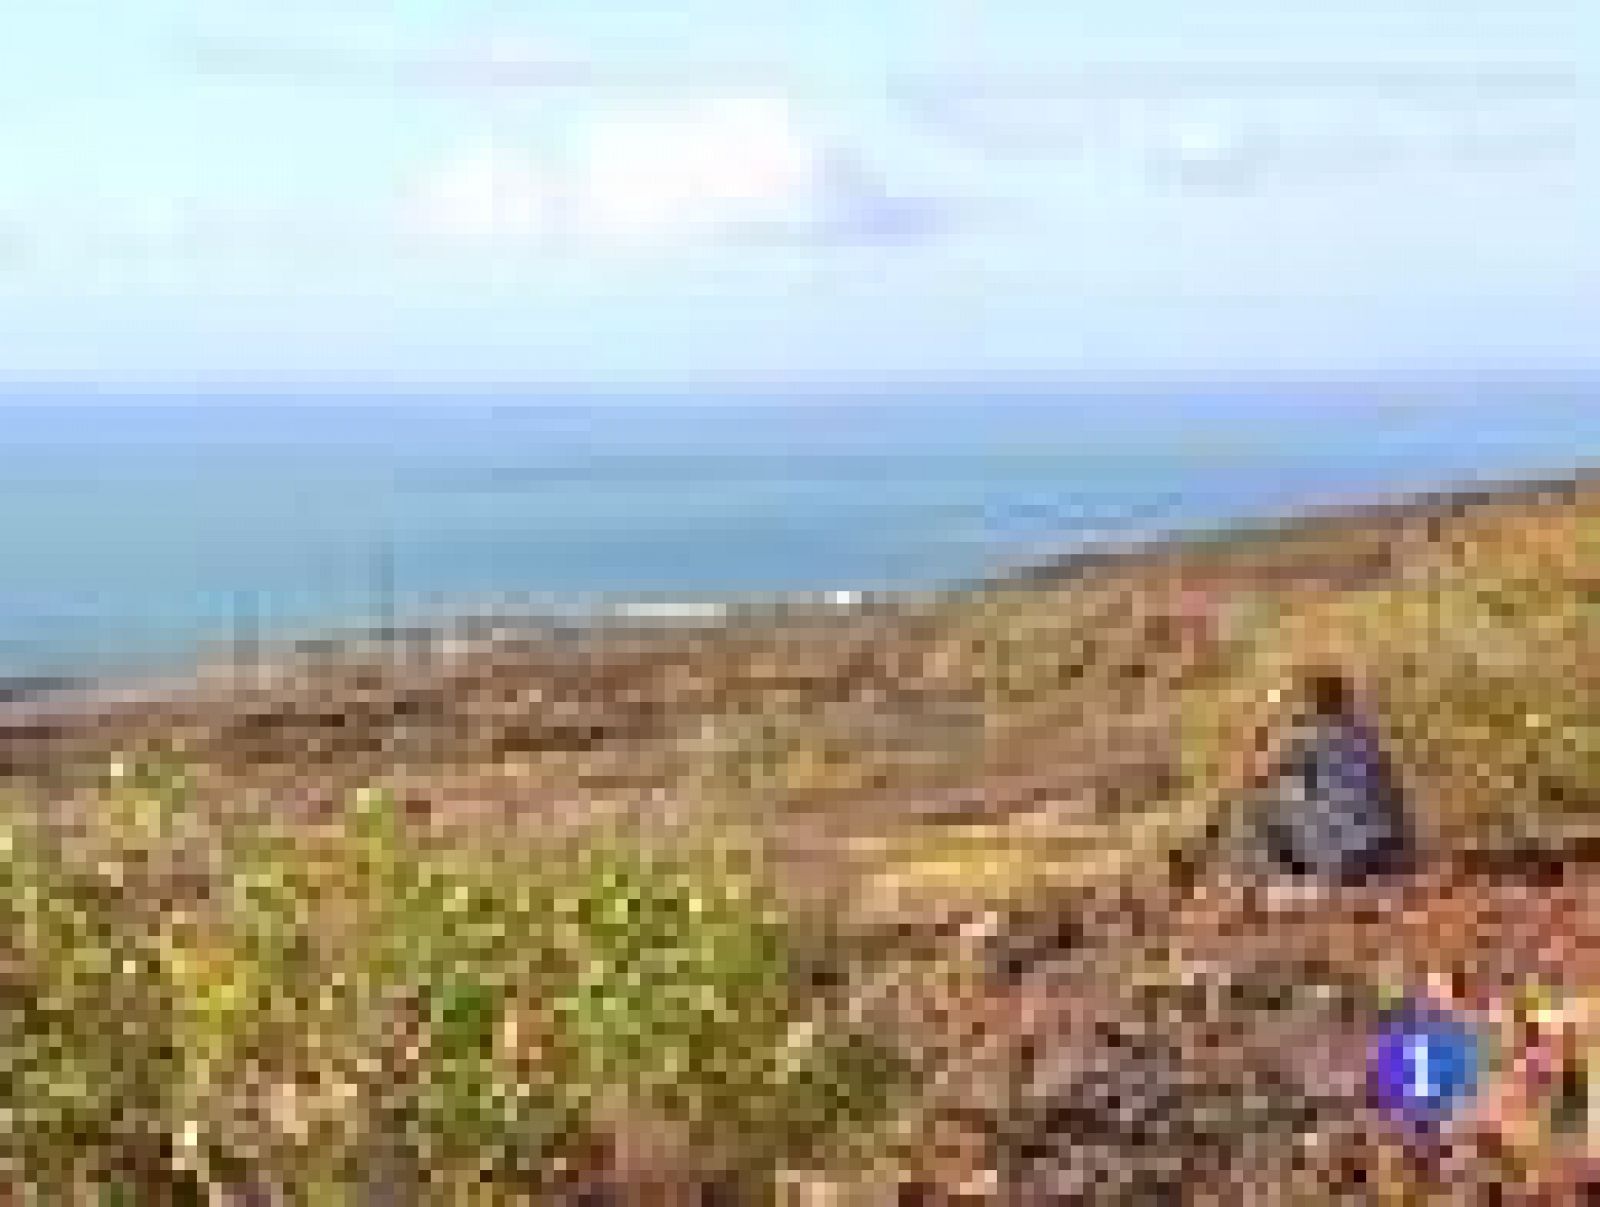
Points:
[1247,766]
[1261,750]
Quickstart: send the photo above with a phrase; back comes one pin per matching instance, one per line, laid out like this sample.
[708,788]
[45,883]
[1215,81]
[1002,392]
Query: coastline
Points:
[1340,545]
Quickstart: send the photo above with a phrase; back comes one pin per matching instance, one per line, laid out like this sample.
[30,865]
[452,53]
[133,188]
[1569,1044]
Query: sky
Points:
[621,193]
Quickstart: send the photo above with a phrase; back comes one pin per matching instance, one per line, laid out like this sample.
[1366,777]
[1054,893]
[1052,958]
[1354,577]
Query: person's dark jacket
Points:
[1334,808]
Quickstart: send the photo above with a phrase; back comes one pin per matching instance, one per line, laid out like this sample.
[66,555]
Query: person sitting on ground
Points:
[1327,803]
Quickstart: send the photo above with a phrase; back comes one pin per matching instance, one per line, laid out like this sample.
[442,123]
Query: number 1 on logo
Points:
[1417,1050]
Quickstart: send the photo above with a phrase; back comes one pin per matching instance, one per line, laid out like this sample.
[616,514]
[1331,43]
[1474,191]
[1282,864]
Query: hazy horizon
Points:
[1453,384]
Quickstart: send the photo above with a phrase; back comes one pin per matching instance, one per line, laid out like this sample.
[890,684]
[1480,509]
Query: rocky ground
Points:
[1217,1047]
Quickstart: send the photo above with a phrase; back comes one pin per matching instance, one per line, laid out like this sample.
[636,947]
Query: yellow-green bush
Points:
[86,1062]
[1486,685]
[308,1009]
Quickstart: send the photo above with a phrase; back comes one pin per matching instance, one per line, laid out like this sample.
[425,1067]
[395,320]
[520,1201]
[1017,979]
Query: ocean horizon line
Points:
[865,388]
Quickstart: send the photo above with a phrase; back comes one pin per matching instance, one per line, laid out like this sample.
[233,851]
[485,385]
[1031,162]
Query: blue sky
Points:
[835,191]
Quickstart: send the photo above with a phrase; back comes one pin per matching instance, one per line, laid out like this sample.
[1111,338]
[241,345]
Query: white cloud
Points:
[1209,150]
[697,169]
[362,54]
[635,178]
[488,192]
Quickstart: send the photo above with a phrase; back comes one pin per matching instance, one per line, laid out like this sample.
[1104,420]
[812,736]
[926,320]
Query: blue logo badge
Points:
[1425,1066]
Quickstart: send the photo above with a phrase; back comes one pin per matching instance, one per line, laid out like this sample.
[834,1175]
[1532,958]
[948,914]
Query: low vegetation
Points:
[310,1011]
[207,981]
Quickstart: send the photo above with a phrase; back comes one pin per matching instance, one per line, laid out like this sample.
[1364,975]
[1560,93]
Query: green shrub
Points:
[342,1000]
[87,1064]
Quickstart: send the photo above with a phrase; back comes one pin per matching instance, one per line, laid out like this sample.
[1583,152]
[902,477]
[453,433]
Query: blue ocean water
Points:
[136,529]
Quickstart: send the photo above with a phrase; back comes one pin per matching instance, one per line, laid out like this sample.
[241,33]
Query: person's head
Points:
[1327,692]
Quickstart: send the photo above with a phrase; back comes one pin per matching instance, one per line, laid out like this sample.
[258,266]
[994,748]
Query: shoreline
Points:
[36,708]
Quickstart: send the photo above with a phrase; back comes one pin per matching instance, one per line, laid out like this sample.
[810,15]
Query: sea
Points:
[139,530]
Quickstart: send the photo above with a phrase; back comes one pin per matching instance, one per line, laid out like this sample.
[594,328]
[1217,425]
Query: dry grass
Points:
[1479,652]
